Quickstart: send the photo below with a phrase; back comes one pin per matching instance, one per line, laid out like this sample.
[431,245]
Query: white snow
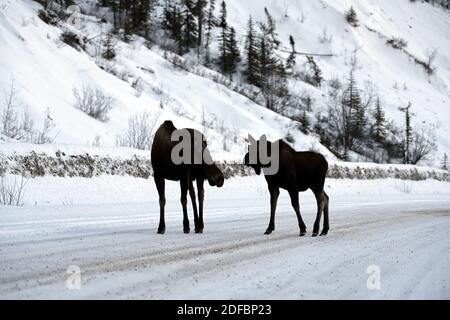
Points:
[420,24]
[107,189]
[58,68]
[45,71]
[107,227]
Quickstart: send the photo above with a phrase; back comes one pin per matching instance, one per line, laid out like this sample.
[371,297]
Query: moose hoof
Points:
[268,231]
[198,230]
[161,230]
[324,233]
[302,233]
[186,230]
[315,234]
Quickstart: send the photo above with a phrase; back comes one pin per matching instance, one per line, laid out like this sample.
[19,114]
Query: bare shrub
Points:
[397,43]
[423,145]
[311,72]
[139,132]
[335,83]
[139,86]
[53,12]
[179,112]
[44,136]
[427,64]
[19,125]
[12,190]
[95,103]
[226,134]
[431,57]
[74,40]
[12,124]
[404,186]
[275,93]
[325,37]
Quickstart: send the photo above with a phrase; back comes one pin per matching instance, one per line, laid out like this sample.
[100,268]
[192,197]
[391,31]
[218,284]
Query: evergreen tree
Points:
[146,9]
[379,127]
[264,59]
[267,61]
[207,58]
[352,17]
[210,22]
[223,38]
[110,52]
[304,122]
[223,15]
[188,27]
[172,23]
[223,53]
[270,29]
[291,60]
[199,12]
[136,17]
[131,16]
[353,113]
[444,162]
[408,134]
[251,52]
[126,8]
[233,54]
[116,16]
[269,65]
[143,12]
[315,74]
[272,76]
[128,28]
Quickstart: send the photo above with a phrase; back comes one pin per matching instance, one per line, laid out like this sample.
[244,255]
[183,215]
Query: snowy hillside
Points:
[45,72]
[398,79]
[79,208]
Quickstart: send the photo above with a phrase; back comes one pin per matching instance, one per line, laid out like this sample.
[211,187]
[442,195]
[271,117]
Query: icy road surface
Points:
[120,255]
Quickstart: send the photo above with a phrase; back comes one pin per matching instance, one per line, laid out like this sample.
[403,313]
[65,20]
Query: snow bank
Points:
[109,189]
[88,162]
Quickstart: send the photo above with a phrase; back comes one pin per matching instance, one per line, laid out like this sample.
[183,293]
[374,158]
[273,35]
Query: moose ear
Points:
[263,138]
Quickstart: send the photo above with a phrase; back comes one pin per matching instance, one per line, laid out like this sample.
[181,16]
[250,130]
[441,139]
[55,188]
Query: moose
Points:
[297,172]
[164,167]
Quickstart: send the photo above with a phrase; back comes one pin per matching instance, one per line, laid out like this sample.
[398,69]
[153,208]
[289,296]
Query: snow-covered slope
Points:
[398,78]
[109,222]
[45,71]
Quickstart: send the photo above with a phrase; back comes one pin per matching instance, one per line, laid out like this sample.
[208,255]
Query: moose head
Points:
[192,150]
[263,155]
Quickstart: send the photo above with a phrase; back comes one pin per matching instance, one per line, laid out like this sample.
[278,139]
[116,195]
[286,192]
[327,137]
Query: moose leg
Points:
[160,184]
[184,184]
[326,222]
[194,205]
[201,199]
[274,194]
[320,198]
[295,204]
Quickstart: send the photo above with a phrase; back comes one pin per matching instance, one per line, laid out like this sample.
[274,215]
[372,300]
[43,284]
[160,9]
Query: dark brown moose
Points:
[165,168]
[298,172]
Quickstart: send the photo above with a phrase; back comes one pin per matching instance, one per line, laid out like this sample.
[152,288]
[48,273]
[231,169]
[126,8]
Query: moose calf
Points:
[297,172]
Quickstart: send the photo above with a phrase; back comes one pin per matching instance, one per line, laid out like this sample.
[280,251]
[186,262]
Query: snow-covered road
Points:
[121,256]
